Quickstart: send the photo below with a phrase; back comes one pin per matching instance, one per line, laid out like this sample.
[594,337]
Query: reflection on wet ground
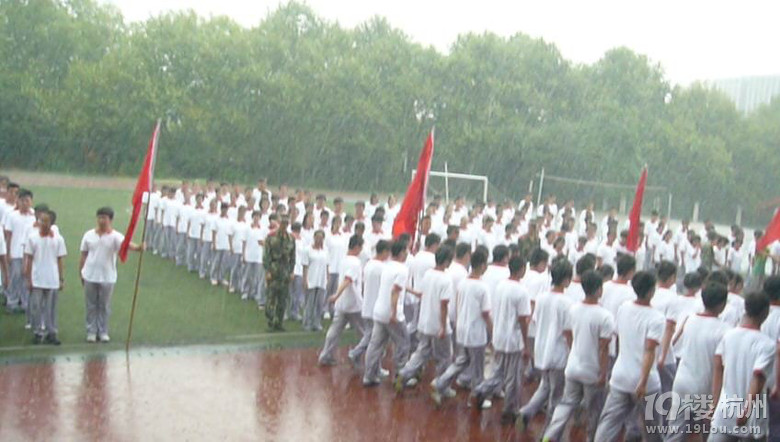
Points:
[213,395]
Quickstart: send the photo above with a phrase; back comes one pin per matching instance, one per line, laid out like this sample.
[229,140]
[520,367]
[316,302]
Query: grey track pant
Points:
[340,320]
[507,377]
[312,309]
[205,259]
[591,396]
[181,248]
[98,299]
[619,408]
[193,250]
[254,282]
[469,358]
[17,294]
[428,347]
[360,349]
[380,334]
[43,308]
[549,392]
[333,286]
[220,265]
[236,271]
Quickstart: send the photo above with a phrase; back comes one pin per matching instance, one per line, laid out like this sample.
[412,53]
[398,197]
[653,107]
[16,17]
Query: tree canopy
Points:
[308,102]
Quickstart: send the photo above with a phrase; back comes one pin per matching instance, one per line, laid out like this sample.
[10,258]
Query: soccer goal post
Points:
[447,175]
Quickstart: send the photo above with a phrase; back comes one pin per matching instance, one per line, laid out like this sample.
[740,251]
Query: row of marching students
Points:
[621,349]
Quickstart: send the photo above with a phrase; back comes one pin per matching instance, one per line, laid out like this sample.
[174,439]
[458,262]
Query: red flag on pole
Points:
[414,199]
[632,243]
[143,186]
[771,234]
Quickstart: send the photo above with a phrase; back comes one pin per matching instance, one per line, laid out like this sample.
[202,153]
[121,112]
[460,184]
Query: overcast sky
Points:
[692,39]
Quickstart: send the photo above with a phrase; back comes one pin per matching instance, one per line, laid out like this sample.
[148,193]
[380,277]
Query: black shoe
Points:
[37,339]
[52,339]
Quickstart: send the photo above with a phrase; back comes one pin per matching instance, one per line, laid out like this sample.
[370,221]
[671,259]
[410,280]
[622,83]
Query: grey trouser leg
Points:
[411,312]
[50,311]
[312,313]
[173,242]
[251,280]
[469,358]
[43,307]
[333,285]
[548,392]
[236,271]
[151,234]
[16,284]
[217,258]
[192,254]
[379,336]
[35,308]
[620,407]
[428,347]
[181,249]
[296,309]
[506,377]
[340,321]
[574,393]
[260,289]
[205,259]
[360,349]
[159,240]
[91,294]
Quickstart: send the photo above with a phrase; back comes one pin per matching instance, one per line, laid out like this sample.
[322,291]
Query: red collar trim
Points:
[750,327]
[706,315]
[50,234]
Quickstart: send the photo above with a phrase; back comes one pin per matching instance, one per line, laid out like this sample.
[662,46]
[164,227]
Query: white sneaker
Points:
[450,393]
[91,338]
[104,338]
[500,394]
[27,326]
[486,404]
[327,315]
[244,297]
[231,290]
[214,282]
[384,373]
[411,383]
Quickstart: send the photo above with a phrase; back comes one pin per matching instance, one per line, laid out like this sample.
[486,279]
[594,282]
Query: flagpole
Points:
[143,245]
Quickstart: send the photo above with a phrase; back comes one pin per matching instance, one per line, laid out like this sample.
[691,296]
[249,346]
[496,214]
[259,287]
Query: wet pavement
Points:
[236,395]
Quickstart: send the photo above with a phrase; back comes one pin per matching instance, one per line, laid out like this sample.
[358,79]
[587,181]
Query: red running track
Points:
[231,395]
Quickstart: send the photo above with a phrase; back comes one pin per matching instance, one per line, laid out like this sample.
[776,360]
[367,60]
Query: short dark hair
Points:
[625,265]
[355,241]
[295,227]
[52,216]
[756,304]
[106,211]
[719,277]
[666,270]
[25,193]
[397,247]
[643,283]
[692,280]
[381,246]
[714,295]
[462,250]
[444,255]
[591,282]
[516,264]
[606,271]
[772,287]
[377,218]
[585,263]
[431,240]
[538,256]
[500,252]
[561,271]
[478,258]
[13,185]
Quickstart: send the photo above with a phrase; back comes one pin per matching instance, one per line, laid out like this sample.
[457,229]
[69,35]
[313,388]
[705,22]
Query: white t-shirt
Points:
[394,275]
[664,251]
[613,296]
[551,316]
[171,212]
[575,292]
[458,273]
[351,300]
[300,249]
[100,265]
[337,245]
[317,261]
[185,213]
[511,302]
[636,324]
[20,225]
[662,298]
[536,283]
[436,287]
[224,229]
[771,328]
[209,226]
[44,252]
[589,324]
[372,276]
[607,253]
[692,259]
[473,300]
[153,203]
[419,265]
[678,309]
[240,228]
[492,276]
[254,251]
[744,351]
[698,341]
[735,308]
[197,220]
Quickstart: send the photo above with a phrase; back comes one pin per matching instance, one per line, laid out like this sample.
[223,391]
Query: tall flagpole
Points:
[143,247]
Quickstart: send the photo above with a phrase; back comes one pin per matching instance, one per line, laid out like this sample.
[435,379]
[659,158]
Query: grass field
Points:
[174,307]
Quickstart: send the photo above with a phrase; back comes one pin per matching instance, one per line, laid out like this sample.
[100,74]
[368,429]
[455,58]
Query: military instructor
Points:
[279,258]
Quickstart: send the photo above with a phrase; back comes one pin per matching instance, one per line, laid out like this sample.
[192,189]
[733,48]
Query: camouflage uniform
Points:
[279,259]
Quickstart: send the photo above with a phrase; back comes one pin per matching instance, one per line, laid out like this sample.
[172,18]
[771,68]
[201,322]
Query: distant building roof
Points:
[748,93]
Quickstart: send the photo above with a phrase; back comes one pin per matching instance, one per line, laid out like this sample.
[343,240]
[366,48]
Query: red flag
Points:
[414,200]
[771,234]
[632,243]
[143,186]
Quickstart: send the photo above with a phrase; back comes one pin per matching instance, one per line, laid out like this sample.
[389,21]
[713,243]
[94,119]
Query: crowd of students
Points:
[525,292]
